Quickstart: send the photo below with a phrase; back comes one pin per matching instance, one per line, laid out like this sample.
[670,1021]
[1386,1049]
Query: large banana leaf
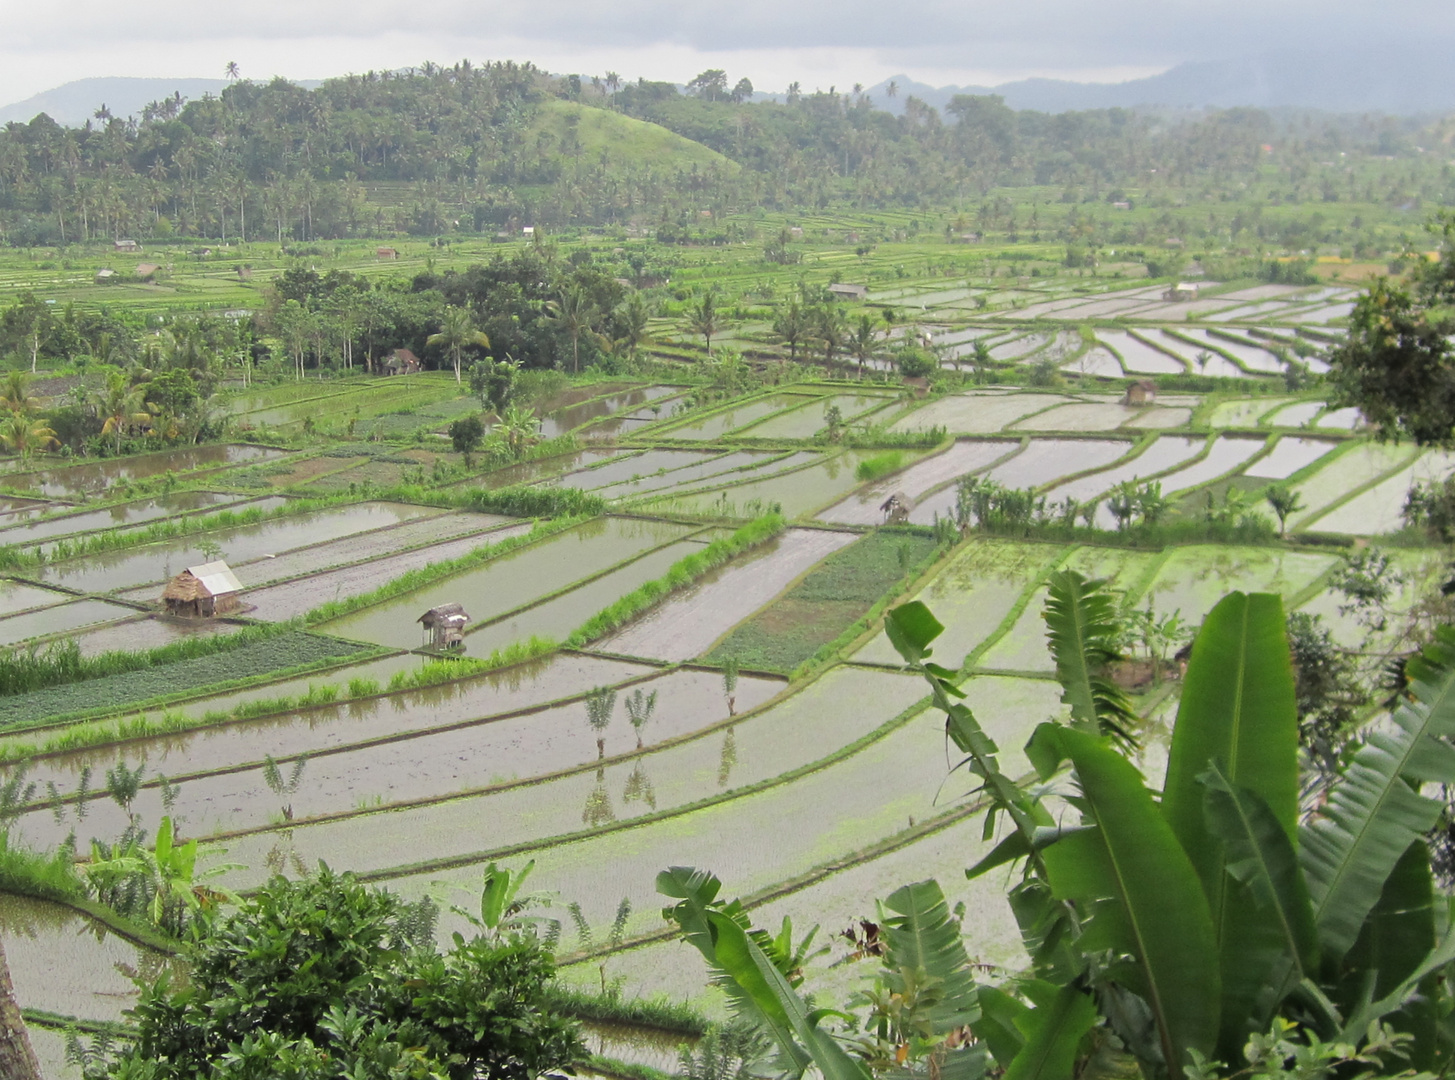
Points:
[922,935]
[1274,944]
[1373,813]
[1081,626]
[1138,890]
[1239,716]
[1053,1031]
[1397,938]
[756,988]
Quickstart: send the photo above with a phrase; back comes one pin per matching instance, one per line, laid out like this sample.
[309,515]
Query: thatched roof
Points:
[445,615]
[199,582]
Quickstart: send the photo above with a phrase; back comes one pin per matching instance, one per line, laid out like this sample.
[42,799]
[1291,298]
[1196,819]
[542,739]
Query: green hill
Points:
[572,126]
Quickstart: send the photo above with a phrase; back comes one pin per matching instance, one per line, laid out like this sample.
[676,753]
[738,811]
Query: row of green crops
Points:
[268,652]
[827,602]
[680,573]
[23,671]
[412,580]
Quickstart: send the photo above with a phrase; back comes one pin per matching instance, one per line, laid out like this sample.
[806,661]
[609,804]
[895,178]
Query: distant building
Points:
[444,626]
[1183,290]
[849,292]
[528,230]
[796,232]
[203,591]
[401,362]
[386,253]
[126,245]
[1121,206]
[147,271]
[1141,392]
[103,276]
[965,238]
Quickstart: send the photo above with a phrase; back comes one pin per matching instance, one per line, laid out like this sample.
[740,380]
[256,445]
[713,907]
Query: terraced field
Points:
[786,747]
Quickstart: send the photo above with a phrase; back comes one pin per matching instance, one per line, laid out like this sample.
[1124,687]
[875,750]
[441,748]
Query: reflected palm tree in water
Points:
[729,757]
[598,809]
[639,786]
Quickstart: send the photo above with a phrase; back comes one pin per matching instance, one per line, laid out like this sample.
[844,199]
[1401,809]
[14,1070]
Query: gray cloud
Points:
[969,33]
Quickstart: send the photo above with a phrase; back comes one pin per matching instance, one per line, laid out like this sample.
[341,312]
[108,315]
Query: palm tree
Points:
[25,436]
[862,343]
[457,334]
[232,71]
[1284,501]
[832,328]
[15,395]
[704,319]
[576,314]
[791,325]
[123,408]
[631,319]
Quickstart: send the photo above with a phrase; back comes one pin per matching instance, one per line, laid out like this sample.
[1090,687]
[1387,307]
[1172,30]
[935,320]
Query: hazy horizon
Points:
[815,44]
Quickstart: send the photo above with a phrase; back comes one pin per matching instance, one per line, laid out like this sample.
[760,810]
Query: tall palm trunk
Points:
[17,1058]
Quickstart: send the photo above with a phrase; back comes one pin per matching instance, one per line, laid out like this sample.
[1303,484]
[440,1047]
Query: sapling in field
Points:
[122,784]
[639,709]
[600,704]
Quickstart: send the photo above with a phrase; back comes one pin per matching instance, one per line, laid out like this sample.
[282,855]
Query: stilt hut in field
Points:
[1142,392]
[444,626]
[203,591]
[896,509]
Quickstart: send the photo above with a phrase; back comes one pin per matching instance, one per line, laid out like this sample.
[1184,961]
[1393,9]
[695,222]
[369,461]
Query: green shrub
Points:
[872,468]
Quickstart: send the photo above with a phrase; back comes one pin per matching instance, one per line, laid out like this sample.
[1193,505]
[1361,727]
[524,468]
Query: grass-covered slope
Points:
[621,138]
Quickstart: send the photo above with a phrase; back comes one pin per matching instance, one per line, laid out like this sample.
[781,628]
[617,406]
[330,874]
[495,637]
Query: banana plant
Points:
[1188,921]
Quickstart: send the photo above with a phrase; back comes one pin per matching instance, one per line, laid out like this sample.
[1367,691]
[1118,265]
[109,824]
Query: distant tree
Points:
[742,91]
[710,84]
[915,362]
[862,343]
[232,71]
[1396,362]
[831,327]
[631,320]
[576,315]
[600,704]
[791,323]
[456,334]
[703,318]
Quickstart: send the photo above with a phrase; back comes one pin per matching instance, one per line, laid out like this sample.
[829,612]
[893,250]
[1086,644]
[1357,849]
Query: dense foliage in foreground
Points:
[1212,928]
[325,978]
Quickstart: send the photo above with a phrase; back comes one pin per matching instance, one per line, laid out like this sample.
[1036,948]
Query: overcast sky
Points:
[773,42]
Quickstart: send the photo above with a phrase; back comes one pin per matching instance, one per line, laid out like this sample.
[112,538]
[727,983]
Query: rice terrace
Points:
[556,548]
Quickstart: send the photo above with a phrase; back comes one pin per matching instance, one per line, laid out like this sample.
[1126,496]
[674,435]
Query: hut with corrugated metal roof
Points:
[203,591]
[444,626]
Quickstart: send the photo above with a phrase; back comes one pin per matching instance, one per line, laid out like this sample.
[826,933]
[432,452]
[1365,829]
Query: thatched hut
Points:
[896,509]
[444,626]
[1142,392]
[205,590]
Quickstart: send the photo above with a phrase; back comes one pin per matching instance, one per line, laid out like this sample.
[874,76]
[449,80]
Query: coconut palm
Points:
[576,315]
[457,334]
[15,395]
[704,319]
[25,436]
[862,343]
[123,408]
